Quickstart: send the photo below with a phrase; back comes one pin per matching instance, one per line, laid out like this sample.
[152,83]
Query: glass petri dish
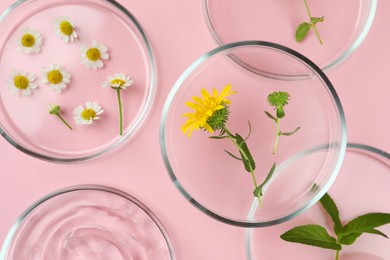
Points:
[217,184]
[276,21]
[87,222]
[360,188]
[25,121]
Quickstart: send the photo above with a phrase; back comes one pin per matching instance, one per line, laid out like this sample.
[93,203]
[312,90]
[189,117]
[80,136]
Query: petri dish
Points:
[276,21]
[217,184]
[25,121]
[360,188]
[87,222]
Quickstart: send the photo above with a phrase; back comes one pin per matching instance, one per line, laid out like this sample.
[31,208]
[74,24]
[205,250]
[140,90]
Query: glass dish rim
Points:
[350,145]
[329,65]
[193,67]
[139,123]
[90,187]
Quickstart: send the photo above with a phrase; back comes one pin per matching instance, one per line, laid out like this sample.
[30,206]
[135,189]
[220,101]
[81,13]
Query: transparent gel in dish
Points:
[88,222]
[217,184]
[346,25]
[25,121]
[360,188]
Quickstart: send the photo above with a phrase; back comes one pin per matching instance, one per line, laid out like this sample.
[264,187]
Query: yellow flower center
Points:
[66,28]
[21,82]
[88,114]
[54,77]
[118,82]
[28,40]
[93,54]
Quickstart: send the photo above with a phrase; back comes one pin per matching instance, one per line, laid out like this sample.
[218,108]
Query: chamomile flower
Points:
[21,82]
[93,57]
[65,29]
[119,81]
[86,115]
[29,41]
[56,77]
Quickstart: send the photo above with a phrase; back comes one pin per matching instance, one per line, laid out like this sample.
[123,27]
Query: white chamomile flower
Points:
[56,77]
[118,80]
[21,82]
[29,41]
[93,57]
[65,29]
[86,115]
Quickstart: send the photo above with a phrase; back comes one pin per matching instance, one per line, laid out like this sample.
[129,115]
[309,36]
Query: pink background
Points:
[179,35]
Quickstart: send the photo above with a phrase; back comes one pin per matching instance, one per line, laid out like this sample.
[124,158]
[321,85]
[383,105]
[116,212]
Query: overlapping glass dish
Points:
[345,26]
[25,122]
[360,188]
[88,222]
[217,184]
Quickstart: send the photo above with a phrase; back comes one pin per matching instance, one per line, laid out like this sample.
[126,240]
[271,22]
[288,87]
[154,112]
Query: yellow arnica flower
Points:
[204,107]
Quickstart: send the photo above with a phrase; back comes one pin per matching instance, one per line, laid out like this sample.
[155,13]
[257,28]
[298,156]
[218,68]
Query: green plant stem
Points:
[314,26]
[277,135]
[246,158]
[337,254]
[63,120]
[118,91]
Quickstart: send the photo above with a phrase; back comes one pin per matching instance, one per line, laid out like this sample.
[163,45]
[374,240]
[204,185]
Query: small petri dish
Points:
[360,188]
[276,21]
[87,222]
[25,121]
[217,184]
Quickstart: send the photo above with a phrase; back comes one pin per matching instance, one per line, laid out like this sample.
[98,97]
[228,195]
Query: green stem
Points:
[314,26]
[245,158]
[277,135]
[118,91]
[63,120]
[337,254]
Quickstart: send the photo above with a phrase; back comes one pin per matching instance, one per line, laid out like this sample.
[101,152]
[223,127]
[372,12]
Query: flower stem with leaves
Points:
[316,235]
[279,100]
[305,27]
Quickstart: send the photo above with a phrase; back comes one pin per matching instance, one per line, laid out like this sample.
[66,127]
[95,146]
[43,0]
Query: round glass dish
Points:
[360,188]
[25,122]
[344,29]
[217,184]
[87,222]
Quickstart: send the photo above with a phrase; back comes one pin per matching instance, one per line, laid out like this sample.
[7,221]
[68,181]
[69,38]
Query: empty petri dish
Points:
[276,21]
[218,184]
[87,222]
[25,121]
[360,188]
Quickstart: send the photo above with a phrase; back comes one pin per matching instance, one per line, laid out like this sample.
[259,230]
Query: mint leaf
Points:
[315,20]
[302,31]
[330,206]
[259,189]
[313,235]
[363,224]
[249,163]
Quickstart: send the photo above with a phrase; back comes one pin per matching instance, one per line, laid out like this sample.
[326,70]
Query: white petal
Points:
[104,56]
[26,92]
[88,104]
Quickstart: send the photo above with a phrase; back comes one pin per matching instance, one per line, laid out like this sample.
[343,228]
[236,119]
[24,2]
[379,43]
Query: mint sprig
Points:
[316,235]
[305,27]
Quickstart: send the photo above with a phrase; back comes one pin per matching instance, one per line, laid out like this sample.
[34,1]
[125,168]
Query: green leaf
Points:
[363,224]
[232,155]
[259,189]
[313,235]
[330,206]
[302,31]
[249,163]
[315,20]
[290,133]
[270,116]
[218,137]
